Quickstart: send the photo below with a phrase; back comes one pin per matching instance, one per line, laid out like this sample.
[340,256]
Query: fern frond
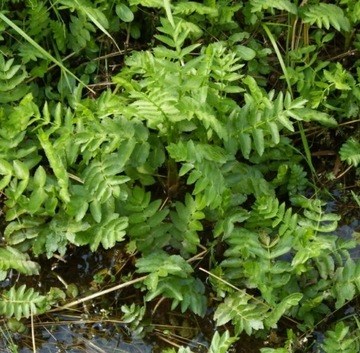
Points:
[297,180]
[11,75]
[22,302]
[102,177]
[347,279]
[186,219]
[108,136]
[189,7]
[340,339]
[39,21]
[157,107]
[170,276]
[204,162]
[315,218]
[260,5]
[147,229]
[350,152]
[19,261]
[196,152]
[80,29]
[221,344]
[59,34]
[56,164]
[324,15]
[245,314]
[147,3]
[107,233]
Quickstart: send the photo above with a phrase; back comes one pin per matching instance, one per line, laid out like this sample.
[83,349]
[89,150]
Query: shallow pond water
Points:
[79,338]
[95,325]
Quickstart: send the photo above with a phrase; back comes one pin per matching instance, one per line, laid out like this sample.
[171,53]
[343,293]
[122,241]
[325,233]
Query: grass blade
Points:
[41,49]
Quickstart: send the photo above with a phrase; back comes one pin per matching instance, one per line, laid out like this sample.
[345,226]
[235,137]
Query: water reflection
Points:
[68,336]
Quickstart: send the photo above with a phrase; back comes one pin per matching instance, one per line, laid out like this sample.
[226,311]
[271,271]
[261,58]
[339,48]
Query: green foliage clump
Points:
[188,149]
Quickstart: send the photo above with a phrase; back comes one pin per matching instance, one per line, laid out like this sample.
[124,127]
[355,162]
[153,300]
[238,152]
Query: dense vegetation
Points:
[186,132]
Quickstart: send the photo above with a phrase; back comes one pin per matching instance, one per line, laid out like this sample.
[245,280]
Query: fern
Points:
[187,223]
[260,5]
[221,343]
[12,77]
[58,30]
[80,29]
[259,122]
[39,21]
[250,314]
[346,282]
[257,252]
[244,313]
[101,178]
[147,3]
[224,68]
[350,152]
[147,229]
[133,316]
[158,108]
[339,77]
[204,163]
[55,236]
[10,258]
[268,212]
[324,15]
[22,302]
[193,7]
[244,180]
[169,275]
[111,230]
[110,135]
[175,36]
[315,217]
[56,164]
[340,339]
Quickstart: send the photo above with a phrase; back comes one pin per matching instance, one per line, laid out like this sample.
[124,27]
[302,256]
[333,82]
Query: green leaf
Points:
[245,53]
[36,199]
[324,15]
[350,152]
[15,259]
[221,343]
[260,5]
[259,142]
[281,308]
[22,302]
[124,13]
[244,314]
[108,232]
[39,179]
[5,167]
[56,164]
[313,115]
[21,171]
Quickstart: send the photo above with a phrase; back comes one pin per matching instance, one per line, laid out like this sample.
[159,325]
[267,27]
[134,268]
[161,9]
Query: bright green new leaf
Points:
[221,343]
[124,13]
[11,258]
[281,308]
[5,167]
[21,171]
[56,164]
[22,302]
[350,152]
